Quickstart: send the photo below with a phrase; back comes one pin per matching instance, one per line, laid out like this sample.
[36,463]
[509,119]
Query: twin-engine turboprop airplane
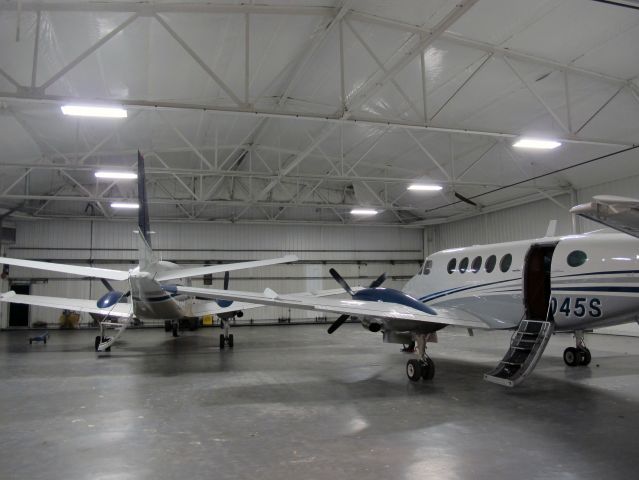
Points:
[152,296]
[572,283]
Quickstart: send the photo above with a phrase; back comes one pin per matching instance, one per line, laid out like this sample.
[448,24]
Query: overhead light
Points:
[125,205]
[123,175]
[425,187]
[93,111]
[364,211]
[536,143]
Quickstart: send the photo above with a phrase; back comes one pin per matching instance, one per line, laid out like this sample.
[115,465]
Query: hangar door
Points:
[18,313]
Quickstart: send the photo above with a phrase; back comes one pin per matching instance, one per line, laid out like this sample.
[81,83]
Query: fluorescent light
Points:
[363,211]
[123,175]
[536,143]
[124,205]
[93,111]
[424,187]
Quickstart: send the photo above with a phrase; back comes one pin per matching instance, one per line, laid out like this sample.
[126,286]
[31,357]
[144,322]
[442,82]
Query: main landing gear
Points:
[578,355]
[172,326]
[422,367]
[226,338]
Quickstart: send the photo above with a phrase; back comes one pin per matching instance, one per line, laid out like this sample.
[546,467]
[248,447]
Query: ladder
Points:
[526,346]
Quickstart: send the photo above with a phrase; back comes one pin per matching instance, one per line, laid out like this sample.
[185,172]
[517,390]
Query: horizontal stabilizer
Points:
[64,268]
[227,267]
[75,304]
[619,213]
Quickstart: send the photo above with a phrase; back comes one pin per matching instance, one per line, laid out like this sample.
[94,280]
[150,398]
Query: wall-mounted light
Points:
[364,211]
[120,175]
[130,206]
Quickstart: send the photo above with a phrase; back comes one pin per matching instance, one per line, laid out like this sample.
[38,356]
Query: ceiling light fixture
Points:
[121,175]
[130,206]
[537,143]
[364,211]
[94,111]
[425,187]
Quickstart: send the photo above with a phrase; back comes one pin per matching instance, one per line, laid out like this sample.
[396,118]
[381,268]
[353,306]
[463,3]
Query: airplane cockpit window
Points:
[476,265]
[490,263]
[506,261]
[463,265]
[427,266]
[451,265]
[576,258]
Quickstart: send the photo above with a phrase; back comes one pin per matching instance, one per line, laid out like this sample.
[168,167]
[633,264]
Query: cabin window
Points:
[451,265]
[476,265]
[427,266]
[506,261]
[463,265]
[576,258]
[490,263]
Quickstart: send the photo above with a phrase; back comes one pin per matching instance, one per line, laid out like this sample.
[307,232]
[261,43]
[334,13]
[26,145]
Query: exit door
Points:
[537,281]
[19,313]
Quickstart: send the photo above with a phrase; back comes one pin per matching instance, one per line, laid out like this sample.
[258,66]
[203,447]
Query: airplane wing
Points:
[387,311]
[210,269]
[64,268]
[200,309]
[620,213]
[77,304]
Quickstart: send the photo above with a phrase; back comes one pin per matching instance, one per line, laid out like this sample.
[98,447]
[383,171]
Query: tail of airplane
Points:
[145,250]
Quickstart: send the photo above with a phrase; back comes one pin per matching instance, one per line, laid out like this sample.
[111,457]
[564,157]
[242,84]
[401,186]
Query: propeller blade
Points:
[338,323]
[338,278]
[226,280]
[378,281]
[106,283]
[464,199]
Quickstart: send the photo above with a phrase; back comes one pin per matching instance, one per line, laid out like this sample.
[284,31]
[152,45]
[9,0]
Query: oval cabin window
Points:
[490,263]
[451,265]
[505,263]
[576,258]
[476,265]
[463,265]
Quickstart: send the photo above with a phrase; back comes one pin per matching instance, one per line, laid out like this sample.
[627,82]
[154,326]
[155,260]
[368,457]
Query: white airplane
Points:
[572,283]
[151,297]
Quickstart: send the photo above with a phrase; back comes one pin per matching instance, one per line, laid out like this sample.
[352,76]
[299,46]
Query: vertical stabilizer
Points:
[144,227]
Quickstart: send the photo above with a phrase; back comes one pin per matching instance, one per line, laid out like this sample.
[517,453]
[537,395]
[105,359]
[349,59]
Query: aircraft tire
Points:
[585,357]
[231,340]
[174,328]
[414,369]
[98,339]
[167,326]
[222,342]
[572,357]
[428,370]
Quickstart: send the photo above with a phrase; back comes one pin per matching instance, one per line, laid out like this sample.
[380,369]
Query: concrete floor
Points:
[293,402]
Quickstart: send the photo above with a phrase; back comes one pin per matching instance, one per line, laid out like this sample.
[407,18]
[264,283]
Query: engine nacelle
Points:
[110,298]
[374,327]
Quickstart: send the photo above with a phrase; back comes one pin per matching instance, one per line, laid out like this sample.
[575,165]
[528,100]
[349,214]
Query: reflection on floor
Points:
[294,402]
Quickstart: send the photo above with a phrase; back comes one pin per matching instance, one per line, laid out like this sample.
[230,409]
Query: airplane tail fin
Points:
[145,248]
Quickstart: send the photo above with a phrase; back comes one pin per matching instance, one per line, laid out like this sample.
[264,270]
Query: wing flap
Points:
[228,267]
[620,213]
[77,304]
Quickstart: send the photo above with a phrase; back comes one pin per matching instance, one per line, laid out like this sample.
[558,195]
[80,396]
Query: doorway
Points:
[19,313]
[537,281]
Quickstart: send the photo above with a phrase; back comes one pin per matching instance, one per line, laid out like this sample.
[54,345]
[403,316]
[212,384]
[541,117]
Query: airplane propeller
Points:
[338,278]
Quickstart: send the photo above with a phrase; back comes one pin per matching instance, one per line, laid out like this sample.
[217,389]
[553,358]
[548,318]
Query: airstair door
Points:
[537,280]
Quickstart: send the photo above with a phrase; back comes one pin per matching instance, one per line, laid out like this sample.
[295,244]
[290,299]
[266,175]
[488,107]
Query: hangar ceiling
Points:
[297,111]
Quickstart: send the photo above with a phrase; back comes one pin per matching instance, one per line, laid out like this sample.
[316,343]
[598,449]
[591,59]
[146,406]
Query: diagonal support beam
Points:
[428,154]
[185,140]
[606,103]
[199,60]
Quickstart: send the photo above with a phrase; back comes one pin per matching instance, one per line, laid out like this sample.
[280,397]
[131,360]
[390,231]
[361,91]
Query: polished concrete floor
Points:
[296,403]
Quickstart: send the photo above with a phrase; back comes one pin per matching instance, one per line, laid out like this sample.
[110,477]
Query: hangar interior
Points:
[264,125]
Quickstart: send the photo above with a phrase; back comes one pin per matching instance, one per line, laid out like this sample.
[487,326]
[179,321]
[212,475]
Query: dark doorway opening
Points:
[19,313]
[537,281]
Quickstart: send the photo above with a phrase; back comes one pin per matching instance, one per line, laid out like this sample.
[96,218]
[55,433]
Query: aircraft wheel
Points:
[231,340]
[30,341]
[174,327]
[572,357]
[414,369]
[167,326]
[584,356]
[45,341]
[98,339]
[222,341]
[428,370]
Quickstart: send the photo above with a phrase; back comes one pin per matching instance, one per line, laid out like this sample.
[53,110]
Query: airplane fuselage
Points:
[586,281]
[150,300]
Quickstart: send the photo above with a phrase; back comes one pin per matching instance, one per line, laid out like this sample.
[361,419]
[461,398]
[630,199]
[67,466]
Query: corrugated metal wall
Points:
[358,253]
